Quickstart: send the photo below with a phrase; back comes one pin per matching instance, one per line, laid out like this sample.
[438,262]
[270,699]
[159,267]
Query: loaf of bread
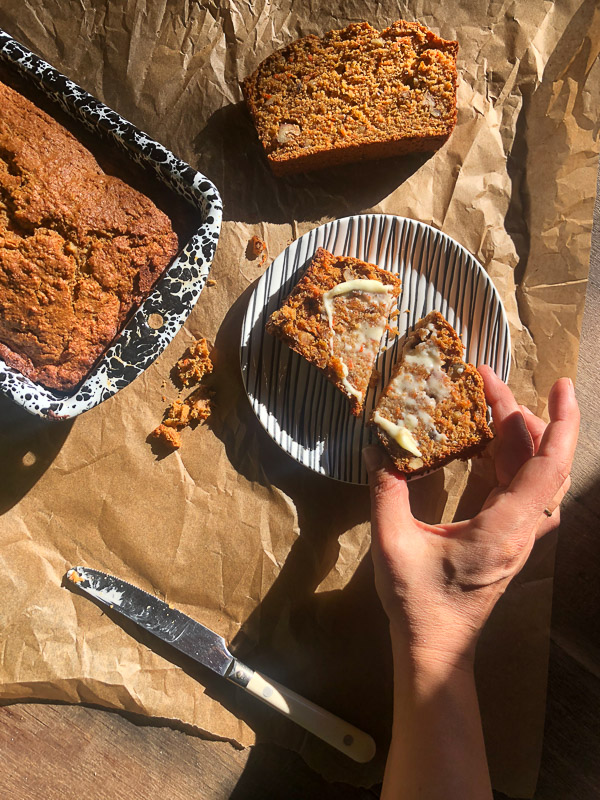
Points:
[354,94]
[433,409]
[79,249]
[335,318]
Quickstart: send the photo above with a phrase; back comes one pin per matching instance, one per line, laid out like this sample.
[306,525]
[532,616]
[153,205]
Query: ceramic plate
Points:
[157,320]
[297,406]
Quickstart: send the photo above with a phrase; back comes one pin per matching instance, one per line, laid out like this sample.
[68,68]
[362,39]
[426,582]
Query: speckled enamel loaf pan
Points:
[176,292]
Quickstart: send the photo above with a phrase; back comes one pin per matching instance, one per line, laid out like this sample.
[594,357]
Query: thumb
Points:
[390,505]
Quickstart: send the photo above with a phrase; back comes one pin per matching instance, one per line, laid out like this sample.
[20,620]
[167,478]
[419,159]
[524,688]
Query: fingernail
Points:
[373,457]
[565,385]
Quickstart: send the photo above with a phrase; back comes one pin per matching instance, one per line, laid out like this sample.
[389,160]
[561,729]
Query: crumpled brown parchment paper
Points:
[230,529]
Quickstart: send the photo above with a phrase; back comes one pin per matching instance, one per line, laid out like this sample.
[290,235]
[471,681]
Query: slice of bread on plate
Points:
[336,317]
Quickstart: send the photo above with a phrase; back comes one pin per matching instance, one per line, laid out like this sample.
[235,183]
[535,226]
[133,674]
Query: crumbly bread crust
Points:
[79,249]
[302,322]
[354,94]
[442,407]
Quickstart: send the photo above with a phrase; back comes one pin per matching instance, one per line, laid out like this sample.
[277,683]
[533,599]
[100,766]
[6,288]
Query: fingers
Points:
[560,436]
[551,515]
[515,445]
[542,477]
[497,393]
[390,506]
[535,426]
[558,498]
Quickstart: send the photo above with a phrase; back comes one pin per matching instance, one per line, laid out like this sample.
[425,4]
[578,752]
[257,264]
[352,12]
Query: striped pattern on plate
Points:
[294,402]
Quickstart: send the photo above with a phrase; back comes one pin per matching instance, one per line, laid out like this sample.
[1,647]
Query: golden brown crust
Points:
[354,94]
[303,325]
[79,249]
[445,405]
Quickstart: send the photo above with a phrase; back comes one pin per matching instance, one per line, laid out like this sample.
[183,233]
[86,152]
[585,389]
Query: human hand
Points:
[439,583]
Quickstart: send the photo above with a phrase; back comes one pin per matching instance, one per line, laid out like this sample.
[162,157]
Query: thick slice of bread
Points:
[354,94]
[335,318]
[433,410]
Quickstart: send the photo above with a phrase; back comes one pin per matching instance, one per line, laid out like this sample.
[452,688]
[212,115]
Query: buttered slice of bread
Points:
[433,410]
[335,318]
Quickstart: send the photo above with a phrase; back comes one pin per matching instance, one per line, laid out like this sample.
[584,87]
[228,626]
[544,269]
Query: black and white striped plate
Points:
[297,406]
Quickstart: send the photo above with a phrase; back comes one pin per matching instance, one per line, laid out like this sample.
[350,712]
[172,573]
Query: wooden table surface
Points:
[52,751]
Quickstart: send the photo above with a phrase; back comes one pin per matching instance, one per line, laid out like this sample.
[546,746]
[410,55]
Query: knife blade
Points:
[209,649]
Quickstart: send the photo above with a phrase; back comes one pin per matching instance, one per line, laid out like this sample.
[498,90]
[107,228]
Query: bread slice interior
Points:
[433,409]
[335,318]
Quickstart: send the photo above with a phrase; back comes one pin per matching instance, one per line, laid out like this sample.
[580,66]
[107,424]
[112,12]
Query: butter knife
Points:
[209,649]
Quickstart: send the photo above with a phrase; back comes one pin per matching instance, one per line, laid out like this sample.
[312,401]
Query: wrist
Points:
[437,748]
[434,656]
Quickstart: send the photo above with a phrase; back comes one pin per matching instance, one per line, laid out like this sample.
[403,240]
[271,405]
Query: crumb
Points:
[195,365]
[195,408]
[257,247]
[177,415]
[394,314]
[199,404]
[407,310]
[392,332]
[168,436]
[211,282]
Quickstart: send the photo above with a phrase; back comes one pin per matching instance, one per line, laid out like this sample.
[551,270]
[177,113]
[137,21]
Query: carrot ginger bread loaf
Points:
[79,249]
[433,410]
[356,93]
[335,318]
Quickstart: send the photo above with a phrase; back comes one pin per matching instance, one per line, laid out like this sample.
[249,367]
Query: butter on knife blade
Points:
[209,649]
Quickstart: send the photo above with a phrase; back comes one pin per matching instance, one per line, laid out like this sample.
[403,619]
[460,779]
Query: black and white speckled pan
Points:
[175,294]
[297,406]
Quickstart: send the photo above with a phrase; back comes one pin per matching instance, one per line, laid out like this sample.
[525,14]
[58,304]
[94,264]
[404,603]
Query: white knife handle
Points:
[339,734]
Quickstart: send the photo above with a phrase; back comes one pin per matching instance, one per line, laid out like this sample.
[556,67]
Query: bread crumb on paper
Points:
[257,247]
[194,409]
[168,436]
[195,364]
[199,404]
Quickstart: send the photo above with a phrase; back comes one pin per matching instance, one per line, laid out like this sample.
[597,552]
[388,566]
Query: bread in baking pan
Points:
[79,248]
[356,93]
